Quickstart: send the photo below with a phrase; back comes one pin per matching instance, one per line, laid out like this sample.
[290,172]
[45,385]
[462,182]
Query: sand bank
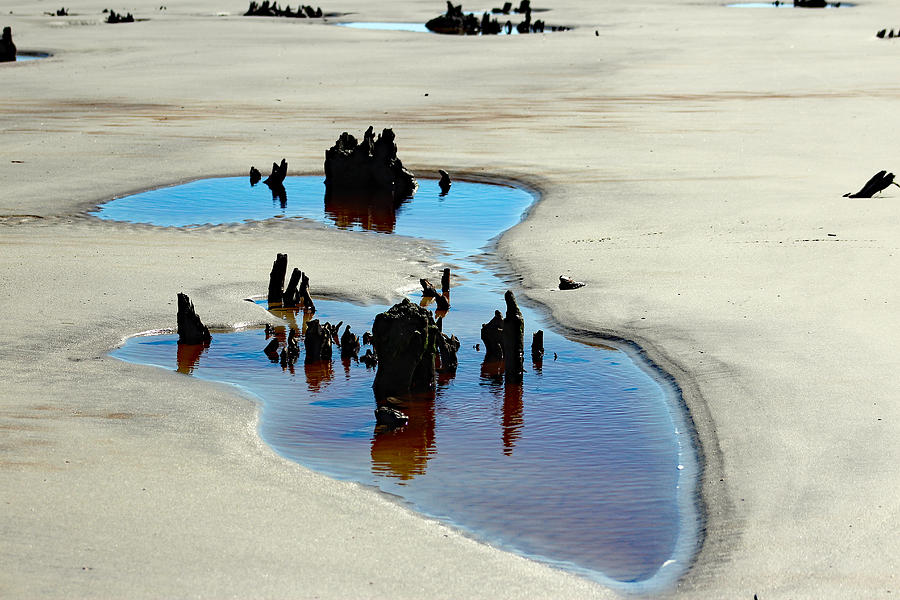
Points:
[692,159]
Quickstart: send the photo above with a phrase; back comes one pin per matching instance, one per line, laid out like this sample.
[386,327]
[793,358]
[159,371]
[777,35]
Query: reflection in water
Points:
[318,374]
[404,452]
[279,194]
[512,415]
[372,213]
[188,355]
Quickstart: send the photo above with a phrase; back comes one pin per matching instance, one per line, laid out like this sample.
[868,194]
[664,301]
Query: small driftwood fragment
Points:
[276,279]
[567,283]
[191,329]
[513,339]
[390,418]
[879,182]
[349,344]
[255,175]
[492,336]
[537,346]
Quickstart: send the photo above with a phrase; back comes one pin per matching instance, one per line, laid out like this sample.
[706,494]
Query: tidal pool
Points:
[588,464]
[24,56]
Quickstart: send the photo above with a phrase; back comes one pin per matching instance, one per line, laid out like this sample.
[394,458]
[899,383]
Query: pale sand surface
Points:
[692,159]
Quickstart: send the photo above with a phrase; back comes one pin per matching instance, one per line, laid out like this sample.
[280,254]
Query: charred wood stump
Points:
[279,172]
[368,358]
[349,344]
[7,47]
[405,342]
[878,183]
[191,329]
[255,176]
[428,290]
[276,279]
[291,297]
[492,336]
[513,339]
[369,168]
[537,346]
[318,341]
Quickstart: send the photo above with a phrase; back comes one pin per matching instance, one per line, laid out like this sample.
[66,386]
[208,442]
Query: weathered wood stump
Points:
[305,299]
[537,346]
[255,175]
[879,182]
[318,341]
[405,342]
[513,339]
[445,283]
[448,346]
[191,329]
[445,182]
[291,297]
[349,344]
[428,290]
[276,279]
[492,337]
[7,47]
[369,168]
[279,172]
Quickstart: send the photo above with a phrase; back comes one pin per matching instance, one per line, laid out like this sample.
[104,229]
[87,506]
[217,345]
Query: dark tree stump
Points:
[405,340]
[368,359]
[305,298]
[279,172]
[276,279]
[369,169]
[492,336]
[291,297]
[349,344]
[7,47]
[448,346]
[318,341]
[428,290]
[255,175]
[191,329]
[445,182]
[537,345]
[878,183]
[445,283]
[513,339]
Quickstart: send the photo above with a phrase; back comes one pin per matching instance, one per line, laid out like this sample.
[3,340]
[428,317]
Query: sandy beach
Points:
[691,160]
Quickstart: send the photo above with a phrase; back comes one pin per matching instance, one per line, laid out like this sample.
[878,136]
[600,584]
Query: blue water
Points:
[30,56]
[587,464]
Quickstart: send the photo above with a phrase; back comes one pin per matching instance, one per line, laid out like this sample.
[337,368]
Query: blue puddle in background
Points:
[587,465]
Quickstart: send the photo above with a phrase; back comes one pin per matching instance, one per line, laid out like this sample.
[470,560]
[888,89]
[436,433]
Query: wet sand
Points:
[692,159]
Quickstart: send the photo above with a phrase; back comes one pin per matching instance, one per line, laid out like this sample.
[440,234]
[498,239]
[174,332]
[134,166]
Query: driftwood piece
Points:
[405,340]
[513,339]
[368,168]
[191,329]
[567,283]
[276,279]
[879,182]
[537,346]
[7,47]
